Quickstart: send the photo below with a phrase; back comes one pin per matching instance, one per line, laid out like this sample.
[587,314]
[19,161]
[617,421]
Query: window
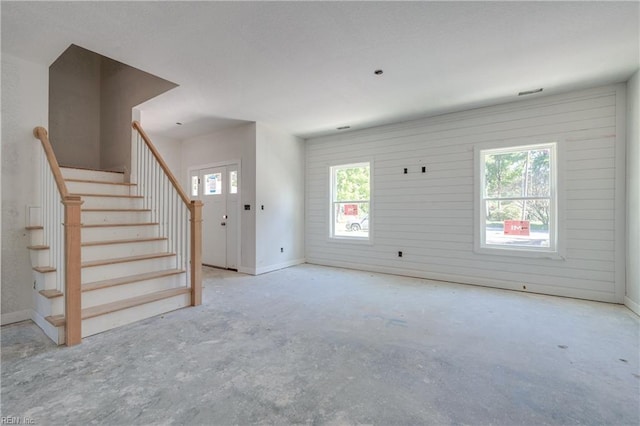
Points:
[517,203]
[350,204]
[194,186]
[233,182]
[213,184]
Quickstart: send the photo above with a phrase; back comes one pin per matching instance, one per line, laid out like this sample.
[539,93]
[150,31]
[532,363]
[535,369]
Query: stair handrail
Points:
[136,125]
[42,134]
[194,207]
[64,248]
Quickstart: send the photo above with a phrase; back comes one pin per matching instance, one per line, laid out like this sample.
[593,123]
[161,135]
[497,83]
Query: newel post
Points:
[72,290]
[196,252]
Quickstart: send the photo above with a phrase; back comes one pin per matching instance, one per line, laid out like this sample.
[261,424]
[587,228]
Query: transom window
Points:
[350,201]
[518,200]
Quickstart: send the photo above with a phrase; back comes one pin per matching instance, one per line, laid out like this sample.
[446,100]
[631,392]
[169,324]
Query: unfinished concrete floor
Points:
[317,345]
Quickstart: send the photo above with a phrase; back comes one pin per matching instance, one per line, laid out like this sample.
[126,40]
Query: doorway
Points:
[218,189]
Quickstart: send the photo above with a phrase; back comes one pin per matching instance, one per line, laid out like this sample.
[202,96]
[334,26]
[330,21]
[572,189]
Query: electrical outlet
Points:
[281,249]
[406,170]
[399,254]
[424,169]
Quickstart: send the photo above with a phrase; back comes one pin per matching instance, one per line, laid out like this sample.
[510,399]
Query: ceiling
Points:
[308,67]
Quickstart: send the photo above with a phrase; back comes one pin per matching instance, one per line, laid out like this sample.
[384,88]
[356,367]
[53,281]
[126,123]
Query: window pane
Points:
[213,184]
[233,182]
[352,184]
[351,219]
[194,186]
[504,174]
[539,173]
[518,223]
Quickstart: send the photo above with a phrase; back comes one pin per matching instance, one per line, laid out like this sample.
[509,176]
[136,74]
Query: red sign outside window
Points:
[516,227]
[351,210]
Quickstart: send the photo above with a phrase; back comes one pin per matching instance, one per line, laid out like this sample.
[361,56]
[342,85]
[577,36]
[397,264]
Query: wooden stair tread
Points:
[107,308]
[129,241]
[108,225]
[116,210]
[56,320]
[50,294]
[106,195]
[125,259]
[33,227]
[38,247]
[96,285]
[91,169]
[44,269]
[101,182]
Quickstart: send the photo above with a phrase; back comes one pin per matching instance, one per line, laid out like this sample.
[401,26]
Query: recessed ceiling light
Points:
[530,92]
[343,128]
[378,72]
[178,123]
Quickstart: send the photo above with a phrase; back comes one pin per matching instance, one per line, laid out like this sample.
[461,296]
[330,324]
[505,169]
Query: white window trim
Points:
[345,239]
[555,251]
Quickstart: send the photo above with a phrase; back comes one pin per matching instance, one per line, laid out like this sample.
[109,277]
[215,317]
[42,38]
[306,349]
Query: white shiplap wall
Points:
[430,217]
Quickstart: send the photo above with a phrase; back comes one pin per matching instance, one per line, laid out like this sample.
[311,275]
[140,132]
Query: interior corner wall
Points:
[24,106]
[122,88]
[74,116]
[231,144]
[430,216]
[632,296]
[280,189]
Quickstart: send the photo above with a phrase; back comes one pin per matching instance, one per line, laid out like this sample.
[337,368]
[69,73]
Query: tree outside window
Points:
[518,198]
[350,201]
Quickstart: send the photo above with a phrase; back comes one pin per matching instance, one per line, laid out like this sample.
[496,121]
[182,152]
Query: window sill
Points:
[351,240]
[512,252]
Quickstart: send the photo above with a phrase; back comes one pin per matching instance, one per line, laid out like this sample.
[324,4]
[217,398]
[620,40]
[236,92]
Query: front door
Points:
[217,188]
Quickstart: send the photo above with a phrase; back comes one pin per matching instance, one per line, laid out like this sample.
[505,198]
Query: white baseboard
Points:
[249,271]
[11,317]
[270,268]
[635,307]
[483,282]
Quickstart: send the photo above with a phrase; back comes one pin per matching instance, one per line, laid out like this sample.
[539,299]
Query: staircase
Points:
[130,265]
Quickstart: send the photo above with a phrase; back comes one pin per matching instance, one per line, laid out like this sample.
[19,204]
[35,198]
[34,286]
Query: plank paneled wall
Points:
[430,217]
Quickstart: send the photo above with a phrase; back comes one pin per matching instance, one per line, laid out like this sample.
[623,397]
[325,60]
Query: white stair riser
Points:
[44,280]
[91,202]
[55,333]
[97,188]
[124,269]
[113,251]
[47,307]
[36,237]
[119,233]
[100,217]
[102,323]
[69,173]
[125,291]
[40,257]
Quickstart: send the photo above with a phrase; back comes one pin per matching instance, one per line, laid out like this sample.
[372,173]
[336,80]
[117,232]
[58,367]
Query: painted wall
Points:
[24,106]
[171,152]
[122,88]
[74,113]
[280,189]
[92,98]
[231,144]
[430,217]
[632,299]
